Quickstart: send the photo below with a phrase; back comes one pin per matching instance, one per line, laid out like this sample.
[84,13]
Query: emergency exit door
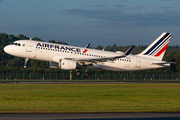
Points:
[29,46]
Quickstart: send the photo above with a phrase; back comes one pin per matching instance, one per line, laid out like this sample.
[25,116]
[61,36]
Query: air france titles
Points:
[73,49]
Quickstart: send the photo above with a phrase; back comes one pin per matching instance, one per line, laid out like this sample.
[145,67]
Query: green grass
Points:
[88,98]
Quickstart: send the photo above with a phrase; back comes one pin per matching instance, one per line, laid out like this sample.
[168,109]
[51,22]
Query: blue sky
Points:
[99,22]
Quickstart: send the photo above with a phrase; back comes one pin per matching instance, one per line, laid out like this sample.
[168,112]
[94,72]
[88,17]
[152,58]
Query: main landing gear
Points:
[77,73]
[85,74]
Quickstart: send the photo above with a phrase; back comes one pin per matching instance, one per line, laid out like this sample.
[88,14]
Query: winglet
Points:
[87,46]
[129,50]
[126,53]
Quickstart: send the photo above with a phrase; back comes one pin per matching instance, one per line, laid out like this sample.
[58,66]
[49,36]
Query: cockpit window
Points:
[17,44]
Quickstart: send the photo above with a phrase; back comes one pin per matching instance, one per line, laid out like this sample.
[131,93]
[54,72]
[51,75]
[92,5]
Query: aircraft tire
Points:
[77,73]
[86,74]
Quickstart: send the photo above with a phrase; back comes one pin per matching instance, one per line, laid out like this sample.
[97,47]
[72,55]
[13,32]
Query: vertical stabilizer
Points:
[157,49]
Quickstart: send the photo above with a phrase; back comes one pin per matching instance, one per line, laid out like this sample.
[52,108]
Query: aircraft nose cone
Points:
[6,49]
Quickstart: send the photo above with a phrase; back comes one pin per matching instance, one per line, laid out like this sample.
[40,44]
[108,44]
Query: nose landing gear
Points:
[26,60]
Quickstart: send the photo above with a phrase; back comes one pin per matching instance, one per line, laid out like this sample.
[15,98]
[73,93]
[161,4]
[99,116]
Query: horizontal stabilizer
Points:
[159,62]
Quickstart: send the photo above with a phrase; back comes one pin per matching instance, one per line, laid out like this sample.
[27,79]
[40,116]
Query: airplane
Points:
[73,58]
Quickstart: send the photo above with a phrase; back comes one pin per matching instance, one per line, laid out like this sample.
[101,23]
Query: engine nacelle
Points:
[96,67]
[53,64]
[64,64]
[67,64]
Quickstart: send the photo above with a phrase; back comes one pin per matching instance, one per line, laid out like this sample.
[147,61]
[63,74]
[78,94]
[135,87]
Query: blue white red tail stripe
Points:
[162,50]
[156,46]
[157,49]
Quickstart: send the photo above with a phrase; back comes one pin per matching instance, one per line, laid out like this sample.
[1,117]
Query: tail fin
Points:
[157,49]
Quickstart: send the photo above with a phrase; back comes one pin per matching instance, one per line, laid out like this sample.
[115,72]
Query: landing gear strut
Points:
[86,74]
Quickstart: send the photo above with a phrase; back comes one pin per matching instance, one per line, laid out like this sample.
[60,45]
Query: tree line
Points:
[11,64]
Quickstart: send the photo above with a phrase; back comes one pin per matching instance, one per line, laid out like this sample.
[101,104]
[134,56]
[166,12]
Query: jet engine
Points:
[63,64]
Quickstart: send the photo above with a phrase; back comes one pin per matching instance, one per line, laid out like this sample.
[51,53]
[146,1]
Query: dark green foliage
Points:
[58,42]
[13,64]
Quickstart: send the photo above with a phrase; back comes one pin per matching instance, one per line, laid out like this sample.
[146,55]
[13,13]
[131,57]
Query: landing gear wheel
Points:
[86,74]
[77,73]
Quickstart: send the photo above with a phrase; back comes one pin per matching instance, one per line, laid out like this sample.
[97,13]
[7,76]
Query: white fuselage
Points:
[51,52]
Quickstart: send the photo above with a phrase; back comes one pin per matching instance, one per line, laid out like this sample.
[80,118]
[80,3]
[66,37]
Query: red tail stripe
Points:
[161,51]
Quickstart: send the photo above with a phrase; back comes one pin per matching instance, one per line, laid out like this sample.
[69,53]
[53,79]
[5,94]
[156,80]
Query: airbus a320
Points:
[73,58]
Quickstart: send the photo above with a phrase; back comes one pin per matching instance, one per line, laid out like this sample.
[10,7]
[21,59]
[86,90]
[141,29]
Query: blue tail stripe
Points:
[160,45]
[155,45]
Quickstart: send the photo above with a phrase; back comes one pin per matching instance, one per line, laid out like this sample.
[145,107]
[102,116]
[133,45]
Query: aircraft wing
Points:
[85,61]
[94,61]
